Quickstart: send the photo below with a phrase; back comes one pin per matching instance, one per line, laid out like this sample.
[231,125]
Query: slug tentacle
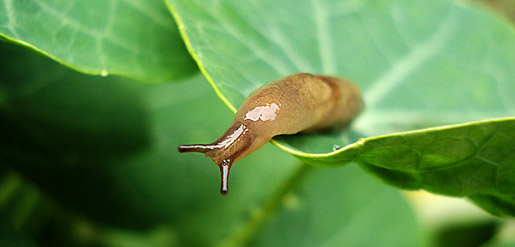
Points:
[225,168]
[297,103]
[236,143]
[197,148]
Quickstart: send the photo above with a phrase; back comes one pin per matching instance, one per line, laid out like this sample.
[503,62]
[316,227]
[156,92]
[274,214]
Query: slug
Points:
[296,103]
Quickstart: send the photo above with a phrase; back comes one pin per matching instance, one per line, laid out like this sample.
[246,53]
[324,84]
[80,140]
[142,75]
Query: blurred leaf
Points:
[330,209]
[501,205]
[135,38]
[159,237]
[26,217]
[504,236]
[412,61]
[48,224]
[13,238]
[50,111]
[464,235]
[155,184]
[107,146]
[54,121]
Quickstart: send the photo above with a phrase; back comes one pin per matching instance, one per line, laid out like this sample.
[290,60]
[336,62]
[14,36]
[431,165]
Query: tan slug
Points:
[299,102]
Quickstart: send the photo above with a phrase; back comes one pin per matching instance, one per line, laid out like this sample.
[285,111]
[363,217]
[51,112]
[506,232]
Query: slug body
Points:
[299,102]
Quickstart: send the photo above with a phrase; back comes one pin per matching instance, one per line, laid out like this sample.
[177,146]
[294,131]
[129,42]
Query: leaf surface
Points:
[134,38]
[419,64]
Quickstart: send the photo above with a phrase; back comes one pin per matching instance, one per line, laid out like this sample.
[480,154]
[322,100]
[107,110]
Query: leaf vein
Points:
[325,42]
[278,38]
[418,55]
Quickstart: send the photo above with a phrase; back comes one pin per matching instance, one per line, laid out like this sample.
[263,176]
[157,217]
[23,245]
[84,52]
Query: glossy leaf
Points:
[413,61]
[133,38]
[413,65]
[478,153]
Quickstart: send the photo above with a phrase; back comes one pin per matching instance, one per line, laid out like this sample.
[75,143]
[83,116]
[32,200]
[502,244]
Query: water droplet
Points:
[104,73]
[336,147]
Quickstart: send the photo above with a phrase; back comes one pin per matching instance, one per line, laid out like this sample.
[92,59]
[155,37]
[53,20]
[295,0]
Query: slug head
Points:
[236,143]
[207,149]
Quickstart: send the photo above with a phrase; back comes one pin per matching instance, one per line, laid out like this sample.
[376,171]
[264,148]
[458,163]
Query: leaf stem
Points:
[260,216]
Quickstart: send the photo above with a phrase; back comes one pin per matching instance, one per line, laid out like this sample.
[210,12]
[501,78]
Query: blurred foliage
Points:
[469,234]
[92,161]
[144,186]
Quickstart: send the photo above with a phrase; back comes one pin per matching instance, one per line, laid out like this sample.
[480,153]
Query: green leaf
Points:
[50,110]
[56,123]
[458,160]
[501,205]
[9,236]
[157,185]
[419,64]
[504,236]
[133,38]
[477,152]
[468,234]
[329,209]
[412,59]
[10,233]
